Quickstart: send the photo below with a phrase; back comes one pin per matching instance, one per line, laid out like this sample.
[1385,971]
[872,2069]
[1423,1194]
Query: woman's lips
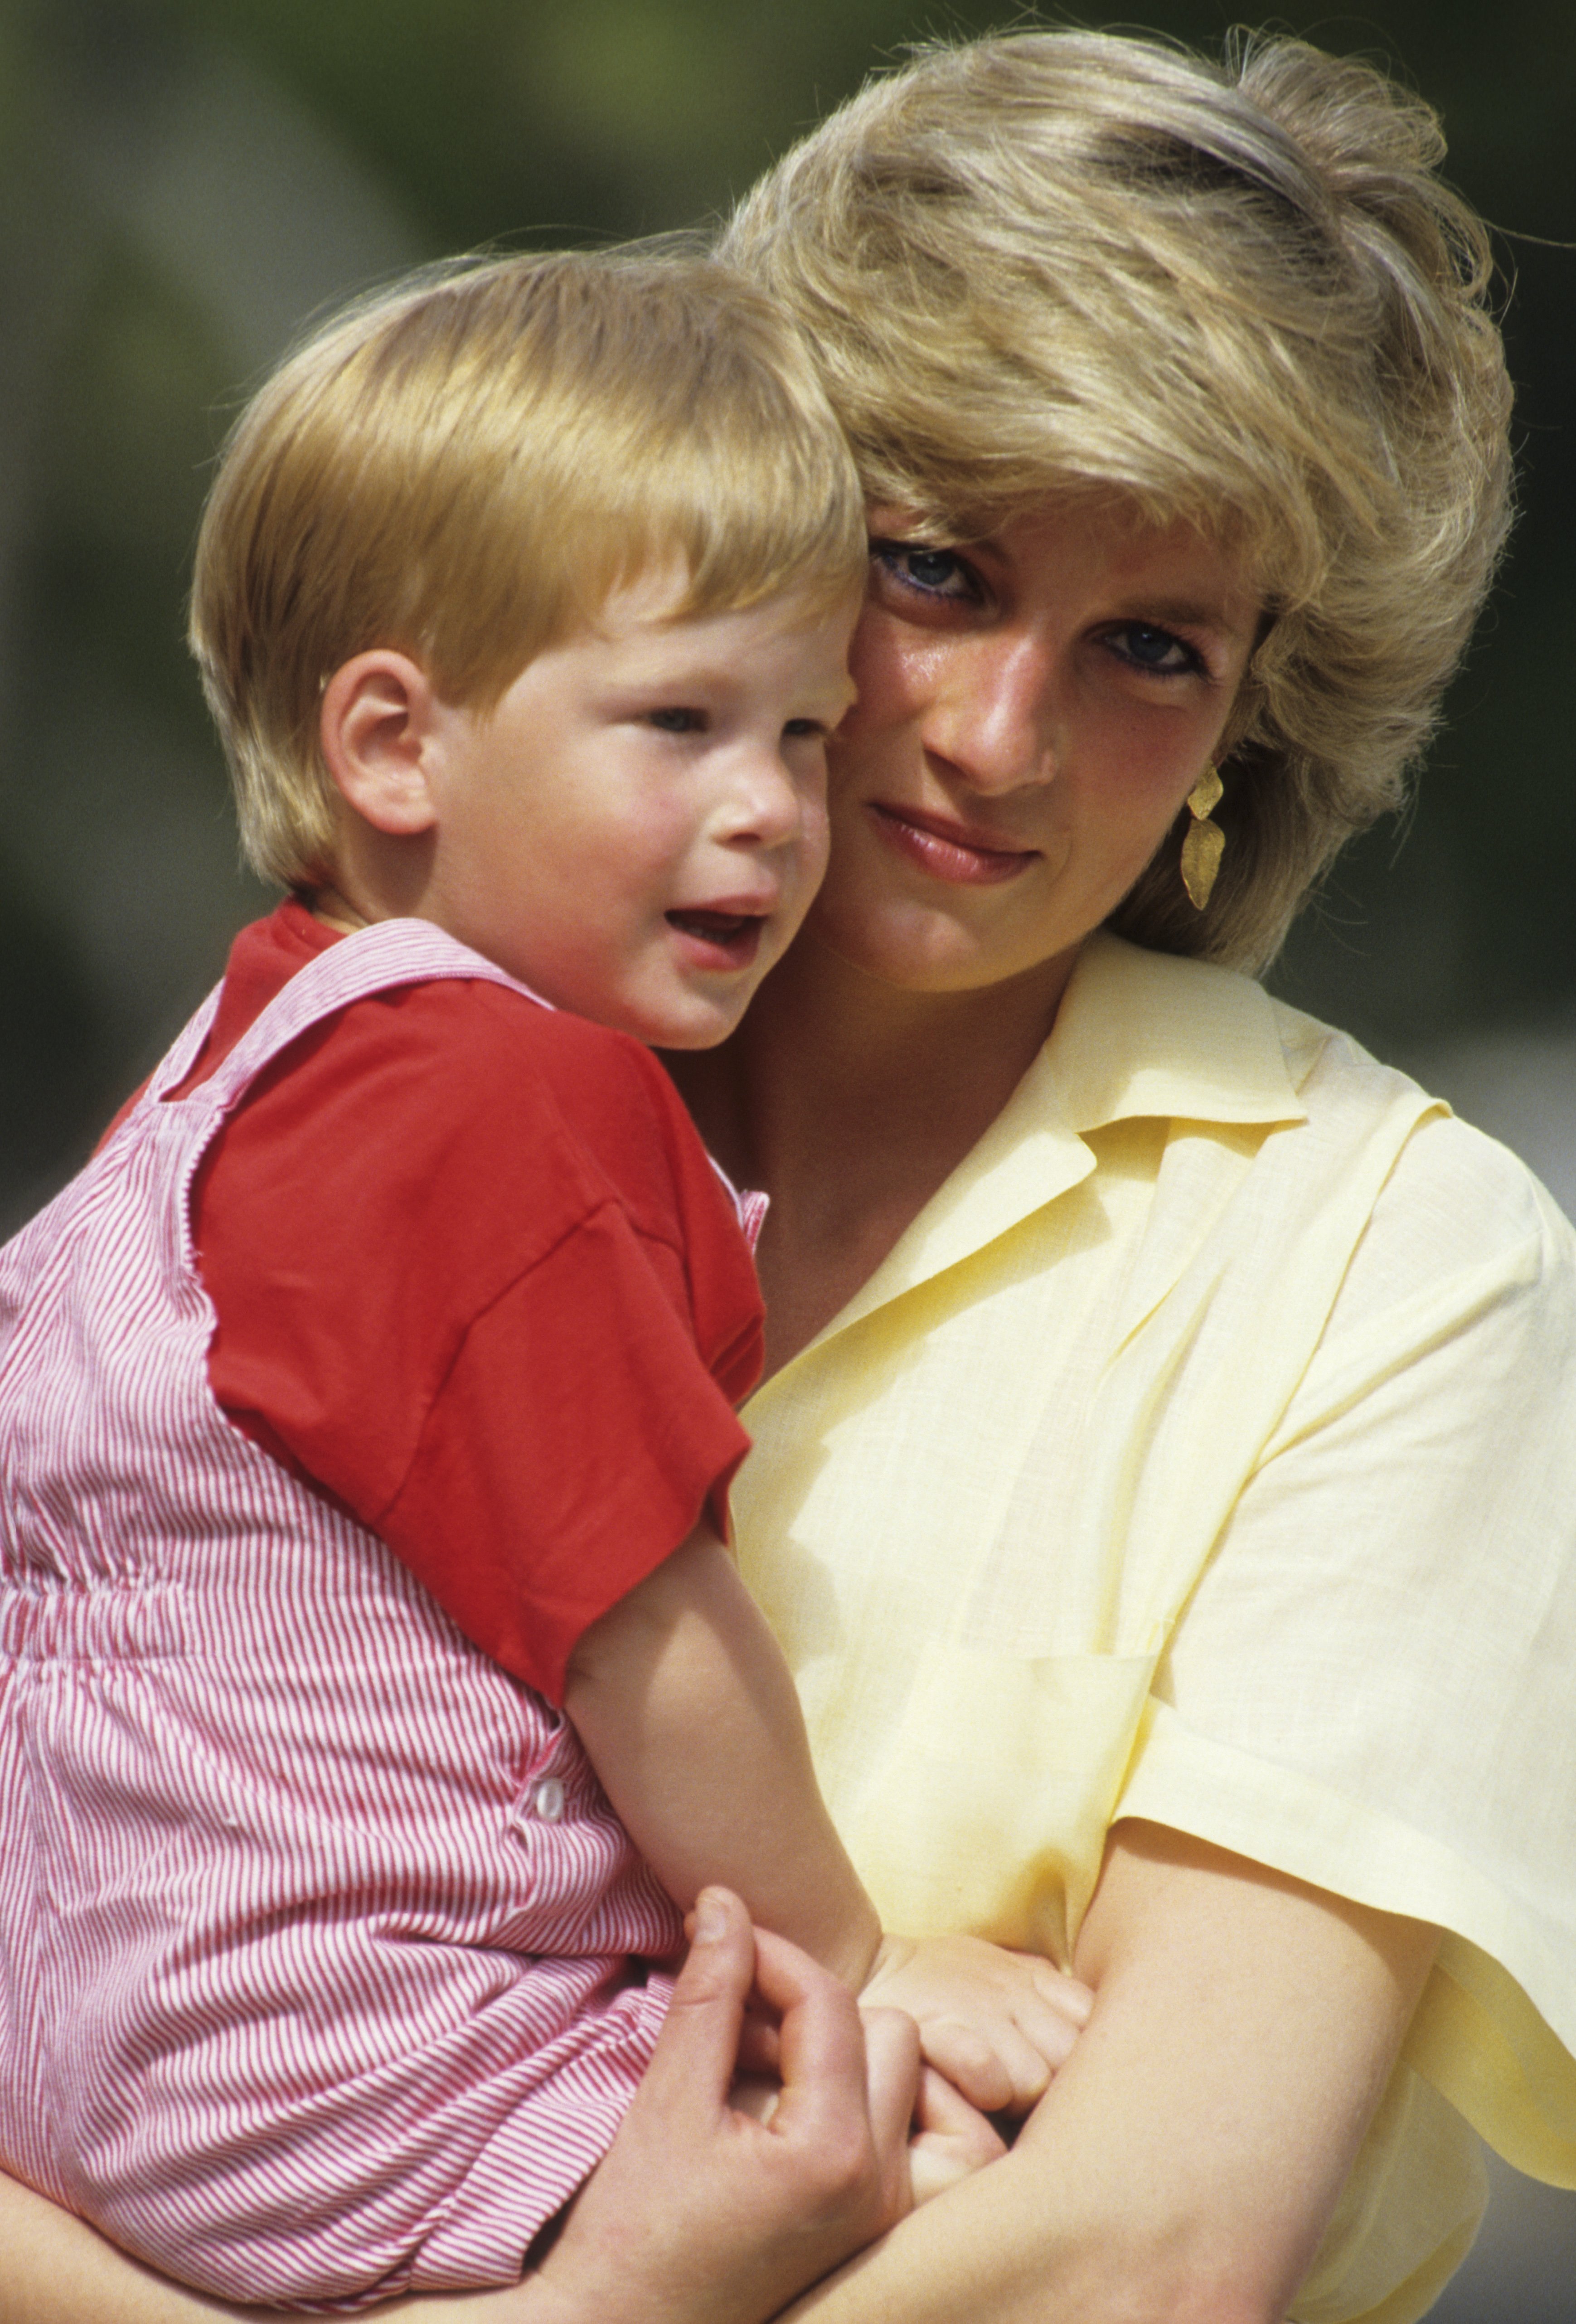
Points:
[949,850]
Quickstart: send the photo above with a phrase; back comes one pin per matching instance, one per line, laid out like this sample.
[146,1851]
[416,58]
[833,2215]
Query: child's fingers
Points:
[894,2078]
[941,2111]
[952,2140]
[1048,2033]
[1065,1995]
[977,2066]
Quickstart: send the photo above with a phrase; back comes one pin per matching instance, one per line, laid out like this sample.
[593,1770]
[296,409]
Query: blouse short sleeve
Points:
[1371,1688]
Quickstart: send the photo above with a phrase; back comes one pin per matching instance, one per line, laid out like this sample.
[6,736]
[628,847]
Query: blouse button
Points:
[548,1800]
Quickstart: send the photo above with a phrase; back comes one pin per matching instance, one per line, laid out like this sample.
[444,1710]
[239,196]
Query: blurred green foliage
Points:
[182,180]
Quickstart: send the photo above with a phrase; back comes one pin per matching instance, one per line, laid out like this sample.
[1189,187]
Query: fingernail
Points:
[710,1920]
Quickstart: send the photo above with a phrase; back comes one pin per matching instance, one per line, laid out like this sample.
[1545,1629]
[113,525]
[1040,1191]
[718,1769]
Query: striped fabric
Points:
[313,1923]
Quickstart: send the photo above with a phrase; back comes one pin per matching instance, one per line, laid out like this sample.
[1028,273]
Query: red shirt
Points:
[478,1281]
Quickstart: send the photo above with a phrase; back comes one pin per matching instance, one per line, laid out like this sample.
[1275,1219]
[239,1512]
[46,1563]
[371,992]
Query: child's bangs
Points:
[758,517]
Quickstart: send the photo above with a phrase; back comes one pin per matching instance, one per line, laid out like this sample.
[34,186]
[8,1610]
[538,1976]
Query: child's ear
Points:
[377,728]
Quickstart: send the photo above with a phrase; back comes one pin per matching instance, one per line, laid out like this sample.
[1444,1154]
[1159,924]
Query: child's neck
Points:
[325,903]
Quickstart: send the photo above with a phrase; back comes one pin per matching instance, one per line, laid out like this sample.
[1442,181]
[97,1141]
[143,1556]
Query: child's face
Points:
[638,828]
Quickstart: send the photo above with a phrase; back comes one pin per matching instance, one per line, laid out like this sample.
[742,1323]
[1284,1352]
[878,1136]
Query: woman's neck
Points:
[852,1103]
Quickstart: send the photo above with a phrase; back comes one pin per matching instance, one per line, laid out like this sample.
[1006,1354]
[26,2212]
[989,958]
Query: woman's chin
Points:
[915,951]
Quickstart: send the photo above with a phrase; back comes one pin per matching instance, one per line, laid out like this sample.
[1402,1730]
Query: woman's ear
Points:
[376,728]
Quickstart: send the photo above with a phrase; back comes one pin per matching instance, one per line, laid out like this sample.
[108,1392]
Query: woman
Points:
[1164,1493]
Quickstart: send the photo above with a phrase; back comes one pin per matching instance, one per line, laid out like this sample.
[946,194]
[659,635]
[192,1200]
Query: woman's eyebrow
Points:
[1197,612]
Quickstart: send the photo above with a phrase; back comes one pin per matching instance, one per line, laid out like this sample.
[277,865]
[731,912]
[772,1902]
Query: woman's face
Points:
[1033,711]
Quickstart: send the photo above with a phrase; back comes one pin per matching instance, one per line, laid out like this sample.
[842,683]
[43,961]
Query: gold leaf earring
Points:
[1205,843]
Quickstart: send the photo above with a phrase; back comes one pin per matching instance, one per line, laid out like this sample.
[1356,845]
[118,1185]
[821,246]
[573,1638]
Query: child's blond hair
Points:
[466,467]
[1240,296]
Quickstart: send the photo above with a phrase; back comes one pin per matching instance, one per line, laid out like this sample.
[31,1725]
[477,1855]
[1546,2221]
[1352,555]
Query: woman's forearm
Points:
[1184,2163]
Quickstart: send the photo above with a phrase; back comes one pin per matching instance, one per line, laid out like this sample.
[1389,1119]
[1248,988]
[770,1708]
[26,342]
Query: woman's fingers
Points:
[830,2076]
[758,2044]
[696,2049]
[700,2213]
[892,2069]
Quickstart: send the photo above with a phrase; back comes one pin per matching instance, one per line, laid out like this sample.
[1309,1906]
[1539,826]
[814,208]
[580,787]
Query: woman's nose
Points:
[993,717]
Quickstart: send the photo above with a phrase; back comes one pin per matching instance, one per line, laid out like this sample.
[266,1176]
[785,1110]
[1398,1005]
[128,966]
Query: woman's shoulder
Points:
[1450,1180]
[1348,1154]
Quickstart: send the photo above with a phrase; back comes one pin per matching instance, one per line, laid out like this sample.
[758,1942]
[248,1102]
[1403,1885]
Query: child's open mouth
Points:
[722,939]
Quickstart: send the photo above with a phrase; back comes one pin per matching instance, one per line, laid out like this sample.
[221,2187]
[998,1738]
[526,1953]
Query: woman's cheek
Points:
[895,666]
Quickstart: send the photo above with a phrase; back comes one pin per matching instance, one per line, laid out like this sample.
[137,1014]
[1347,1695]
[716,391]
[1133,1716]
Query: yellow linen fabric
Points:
[1207,1452]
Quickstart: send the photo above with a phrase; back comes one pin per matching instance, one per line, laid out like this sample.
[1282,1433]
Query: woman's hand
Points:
[702,2214]
[697,2215]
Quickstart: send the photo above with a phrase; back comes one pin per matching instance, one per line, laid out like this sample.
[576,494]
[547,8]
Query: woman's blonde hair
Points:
[1237,296]
[468,466]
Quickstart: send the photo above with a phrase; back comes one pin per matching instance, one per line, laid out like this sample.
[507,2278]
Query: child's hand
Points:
[950,2140]
[996,2024]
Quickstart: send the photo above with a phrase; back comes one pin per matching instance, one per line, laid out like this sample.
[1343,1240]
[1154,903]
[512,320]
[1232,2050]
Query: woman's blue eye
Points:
[1154,649]
[934,572]
[931,567]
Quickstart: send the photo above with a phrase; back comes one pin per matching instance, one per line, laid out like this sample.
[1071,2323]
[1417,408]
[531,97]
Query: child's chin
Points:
[692,1034]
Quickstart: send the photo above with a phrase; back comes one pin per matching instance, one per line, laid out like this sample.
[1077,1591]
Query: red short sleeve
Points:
[476,1279]
[615,1440]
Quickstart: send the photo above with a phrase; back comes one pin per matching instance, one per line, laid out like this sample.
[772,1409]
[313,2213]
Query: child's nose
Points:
[768,801]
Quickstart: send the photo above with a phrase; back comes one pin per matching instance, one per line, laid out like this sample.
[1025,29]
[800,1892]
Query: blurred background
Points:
[183,181]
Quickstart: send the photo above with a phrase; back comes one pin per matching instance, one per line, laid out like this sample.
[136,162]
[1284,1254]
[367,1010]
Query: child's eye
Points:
[678,722]
[798,727]
[1148,647]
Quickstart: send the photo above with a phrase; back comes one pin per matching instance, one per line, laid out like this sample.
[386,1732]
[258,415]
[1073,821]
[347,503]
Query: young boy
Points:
[371,1392]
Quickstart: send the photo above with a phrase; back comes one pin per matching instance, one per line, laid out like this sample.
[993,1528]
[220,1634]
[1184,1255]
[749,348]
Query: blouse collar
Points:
[1138,1035]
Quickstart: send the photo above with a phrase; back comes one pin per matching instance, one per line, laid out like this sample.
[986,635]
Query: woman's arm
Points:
[697,2215]
[1187,2159]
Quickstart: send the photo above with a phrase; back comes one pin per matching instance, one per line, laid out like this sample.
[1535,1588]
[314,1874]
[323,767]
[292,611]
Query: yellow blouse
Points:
[1207,1452]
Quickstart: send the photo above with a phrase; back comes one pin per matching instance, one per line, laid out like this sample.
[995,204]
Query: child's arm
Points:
[683,1701]
[686,1709]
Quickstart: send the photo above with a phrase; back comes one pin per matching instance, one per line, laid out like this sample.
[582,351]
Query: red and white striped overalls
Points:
[313,1921]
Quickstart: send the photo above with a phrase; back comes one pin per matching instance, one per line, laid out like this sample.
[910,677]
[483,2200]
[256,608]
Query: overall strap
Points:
[178,1059]
[376,959]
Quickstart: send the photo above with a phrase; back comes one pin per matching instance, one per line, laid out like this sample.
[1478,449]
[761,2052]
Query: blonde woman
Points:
[1165,1490]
